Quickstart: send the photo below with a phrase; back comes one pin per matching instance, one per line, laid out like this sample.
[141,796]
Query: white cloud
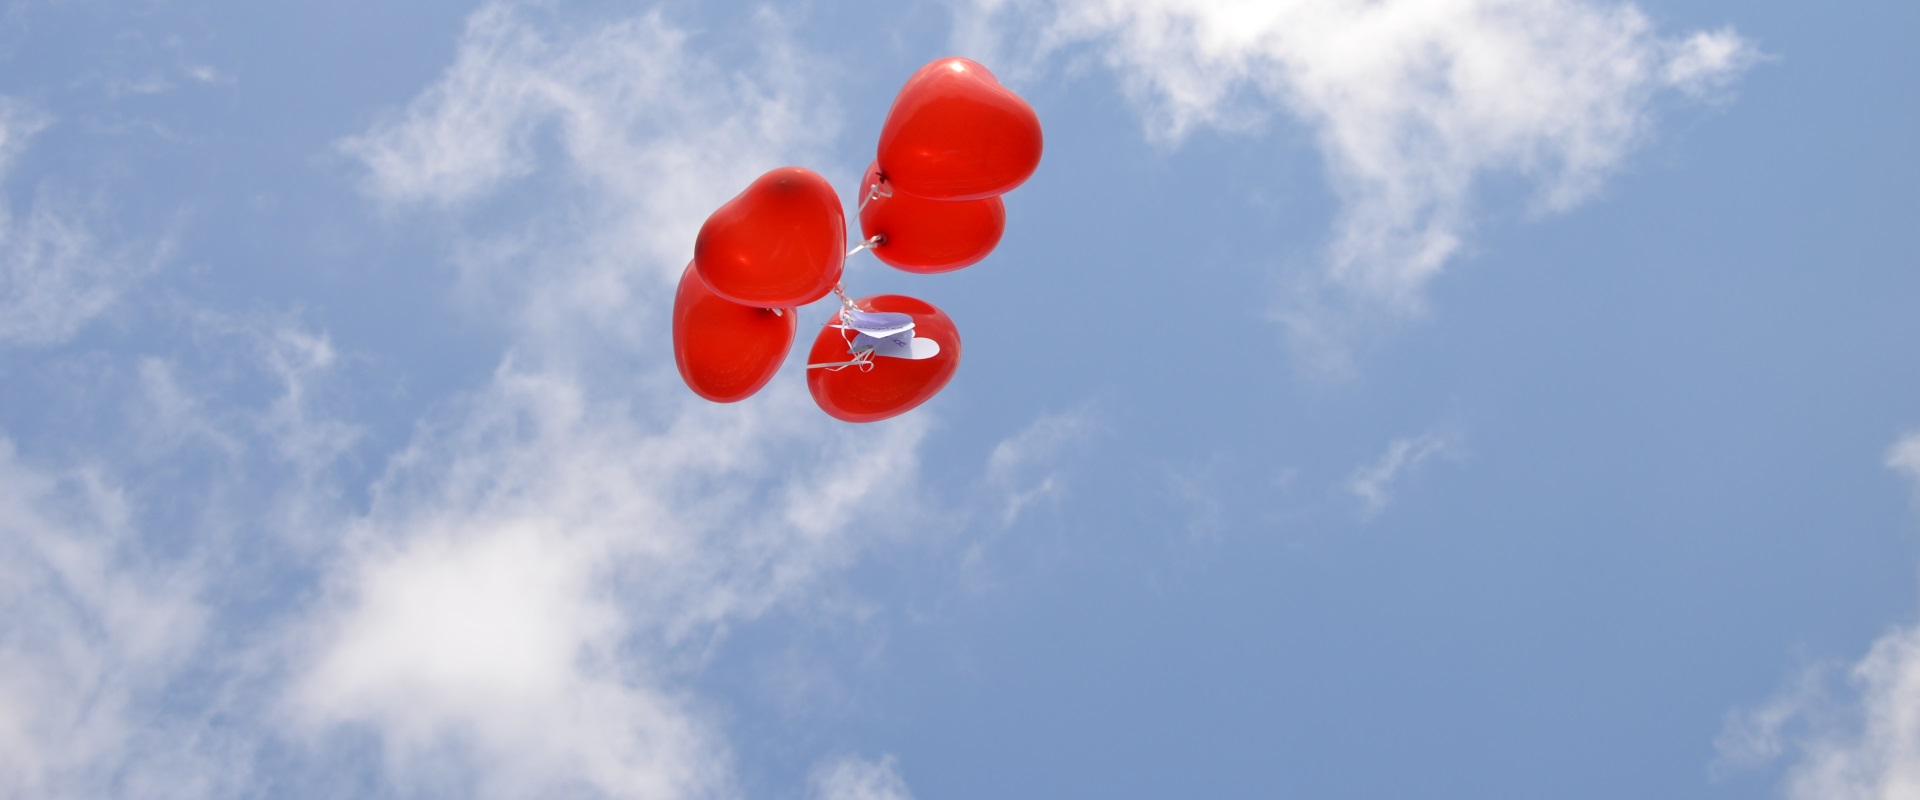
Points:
[1880,758]
[132,605]
[473,129]
[208,75]
[1709,61]
[858,779]
[1904,457]
[530,588]
[1373,483]
[500,641]
[1860,743]
[92,630]
[519,604]
[651,137]
[544,567]
[1414,105]
[55,275]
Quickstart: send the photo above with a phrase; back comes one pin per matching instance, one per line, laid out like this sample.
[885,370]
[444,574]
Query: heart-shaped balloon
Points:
[954,133]
[921,235]
[891,386]
[726,351]
[779,244]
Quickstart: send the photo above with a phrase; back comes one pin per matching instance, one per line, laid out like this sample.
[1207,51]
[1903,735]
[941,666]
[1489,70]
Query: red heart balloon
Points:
[779,244]
[726,351]
[892,386]
[925,236]
[954,133]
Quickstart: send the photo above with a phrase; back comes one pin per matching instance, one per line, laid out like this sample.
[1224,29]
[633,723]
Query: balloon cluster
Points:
[954,141]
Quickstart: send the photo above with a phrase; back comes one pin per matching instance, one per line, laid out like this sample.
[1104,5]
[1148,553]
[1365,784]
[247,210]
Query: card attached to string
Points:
[878,324]
[879,333]
[899,345]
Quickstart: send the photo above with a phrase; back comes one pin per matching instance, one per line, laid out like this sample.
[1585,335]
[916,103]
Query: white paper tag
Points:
[899,345]
[878,324]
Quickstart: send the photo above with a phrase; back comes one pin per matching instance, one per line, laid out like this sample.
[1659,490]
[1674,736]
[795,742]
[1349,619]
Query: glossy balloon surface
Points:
[954,133]
[921,235]
[726,351]
[779,244]
[894,386]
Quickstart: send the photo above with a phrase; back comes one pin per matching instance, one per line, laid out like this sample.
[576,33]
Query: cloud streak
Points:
[1023,467]
[92,631]
[1373,484]
[55,275]
[859,779]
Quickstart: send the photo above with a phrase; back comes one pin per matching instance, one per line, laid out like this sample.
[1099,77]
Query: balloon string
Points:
[846,326]
[862,358]
[881,188]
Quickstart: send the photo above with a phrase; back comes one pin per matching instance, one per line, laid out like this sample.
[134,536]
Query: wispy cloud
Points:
[94,628]
[169,415]
[544,566]
[1414,106]
[302,434]
[1023,467]
[858,779]
[1754,736]
[1373,484]
[55,274]
[1859,741]
[1904,458]
[18,124]
[650,137]
[208,75]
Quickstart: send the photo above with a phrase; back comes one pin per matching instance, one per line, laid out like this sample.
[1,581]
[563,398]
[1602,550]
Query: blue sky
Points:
[1482,398]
